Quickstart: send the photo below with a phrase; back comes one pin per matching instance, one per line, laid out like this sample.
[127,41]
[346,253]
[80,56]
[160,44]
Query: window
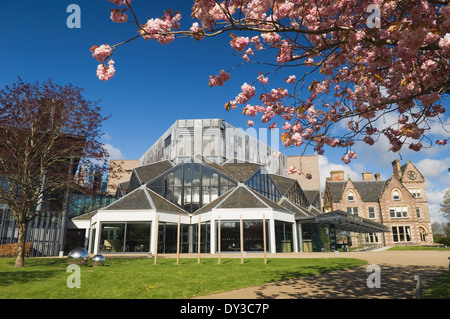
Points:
[423,234]
[352,210]
[350,196]
[125,237]
[418,212]
[168,141]
[371,212]
[371,238]
[398,212]
[416,193]
[396,195]
[401,234]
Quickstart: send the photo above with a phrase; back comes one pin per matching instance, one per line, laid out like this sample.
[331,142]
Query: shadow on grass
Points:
[25,276]
[397,282]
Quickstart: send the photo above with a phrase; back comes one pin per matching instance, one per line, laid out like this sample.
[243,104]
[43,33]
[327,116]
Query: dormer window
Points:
[350,196]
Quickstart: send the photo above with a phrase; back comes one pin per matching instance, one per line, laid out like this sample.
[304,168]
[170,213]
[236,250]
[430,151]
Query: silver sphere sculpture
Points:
[78,256]
[98,260]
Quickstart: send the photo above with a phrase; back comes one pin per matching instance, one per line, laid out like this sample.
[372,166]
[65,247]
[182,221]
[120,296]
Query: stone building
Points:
[399,203]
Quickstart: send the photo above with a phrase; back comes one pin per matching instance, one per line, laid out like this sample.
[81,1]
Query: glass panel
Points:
[196,174]
[214,193]
[408,233]
[253,235]
[401,232]
[187,174]
[206,195]
[177,195]
[112,237]
[392,212]
[230,236]
[283,237]
[178,175]
[138,237]
[195,198]
[187,199]
[167,243]
[395,234]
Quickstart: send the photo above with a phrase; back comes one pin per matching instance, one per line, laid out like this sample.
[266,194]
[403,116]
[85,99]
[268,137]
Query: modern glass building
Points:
[212,204]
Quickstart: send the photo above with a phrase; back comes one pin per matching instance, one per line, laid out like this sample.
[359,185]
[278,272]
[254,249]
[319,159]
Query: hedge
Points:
[10,250]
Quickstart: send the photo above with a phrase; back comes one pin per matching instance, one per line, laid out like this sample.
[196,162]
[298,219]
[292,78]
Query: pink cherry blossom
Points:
[290,79]
[104,72]
[102,52]
[239,43]
[118,16]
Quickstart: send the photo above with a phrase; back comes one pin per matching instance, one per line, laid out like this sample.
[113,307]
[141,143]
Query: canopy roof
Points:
[350,222]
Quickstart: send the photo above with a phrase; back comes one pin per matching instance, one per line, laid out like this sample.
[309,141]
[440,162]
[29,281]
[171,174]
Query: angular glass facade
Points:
[191,185]
[263,184]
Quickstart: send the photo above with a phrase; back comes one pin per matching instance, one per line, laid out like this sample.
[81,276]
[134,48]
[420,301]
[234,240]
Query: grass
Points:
[132,278]
[440,289]
[419,248]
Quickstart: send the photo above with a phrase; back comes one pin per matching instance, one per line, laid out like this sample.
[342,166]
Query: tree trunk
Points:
[20,259]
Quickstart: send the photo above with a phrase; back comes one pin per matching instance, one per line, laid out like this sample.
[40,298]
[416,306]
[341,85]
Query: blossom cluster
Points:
[160,29]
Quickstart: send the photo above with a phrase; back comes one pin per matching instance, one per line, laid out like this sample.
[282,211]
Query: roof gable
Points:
[134,200]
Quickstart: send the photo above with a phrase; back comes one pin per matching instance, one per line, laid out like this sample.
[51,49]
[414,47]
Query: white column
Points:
[295,237]
[272,235]
[212,234]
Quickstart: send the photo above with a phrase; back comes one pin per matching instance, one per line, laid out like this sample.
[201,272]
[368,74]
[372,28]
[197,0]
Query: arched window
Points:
[350,196]
[396,194]
[423,234]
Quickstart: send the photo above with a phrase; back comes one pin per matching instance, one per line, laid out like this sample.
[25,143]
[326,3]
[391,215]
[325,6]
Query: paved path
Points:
[397,271]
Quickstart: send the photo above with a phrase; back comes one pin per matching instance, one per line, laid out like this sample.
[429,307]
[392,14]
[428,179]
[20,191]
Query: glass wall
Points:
[311,237]
[230,236]
[205,236]
[191,185]
[296,195]
[125,237]
[284,237]
[263,184]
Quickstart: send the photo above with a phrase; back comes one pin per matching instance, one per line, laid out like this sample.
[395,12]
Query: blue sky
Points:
[157,84]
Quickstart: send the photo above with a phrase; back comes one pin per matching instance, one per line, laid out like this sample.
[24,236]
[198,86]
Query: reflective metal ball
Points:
[98,260]
[78,256]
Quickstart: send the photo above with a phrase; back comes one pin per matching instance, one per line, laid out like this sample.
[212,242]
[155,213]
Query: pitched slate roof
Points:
[370,191]
[283,183]
[146,173]
[241,171]
[241,196]
[145,198]
[299,212]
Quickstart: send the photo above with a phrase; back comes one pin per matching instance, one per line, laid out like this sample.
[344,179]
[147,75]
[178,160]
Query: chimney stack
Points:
[367,176]
[377,176]
[396,169]
[337,176]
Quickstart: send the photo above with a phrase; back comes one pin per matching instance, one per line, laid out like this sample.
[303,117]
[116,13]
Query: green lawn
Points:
[46,278]
[419,248]
[440,289]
